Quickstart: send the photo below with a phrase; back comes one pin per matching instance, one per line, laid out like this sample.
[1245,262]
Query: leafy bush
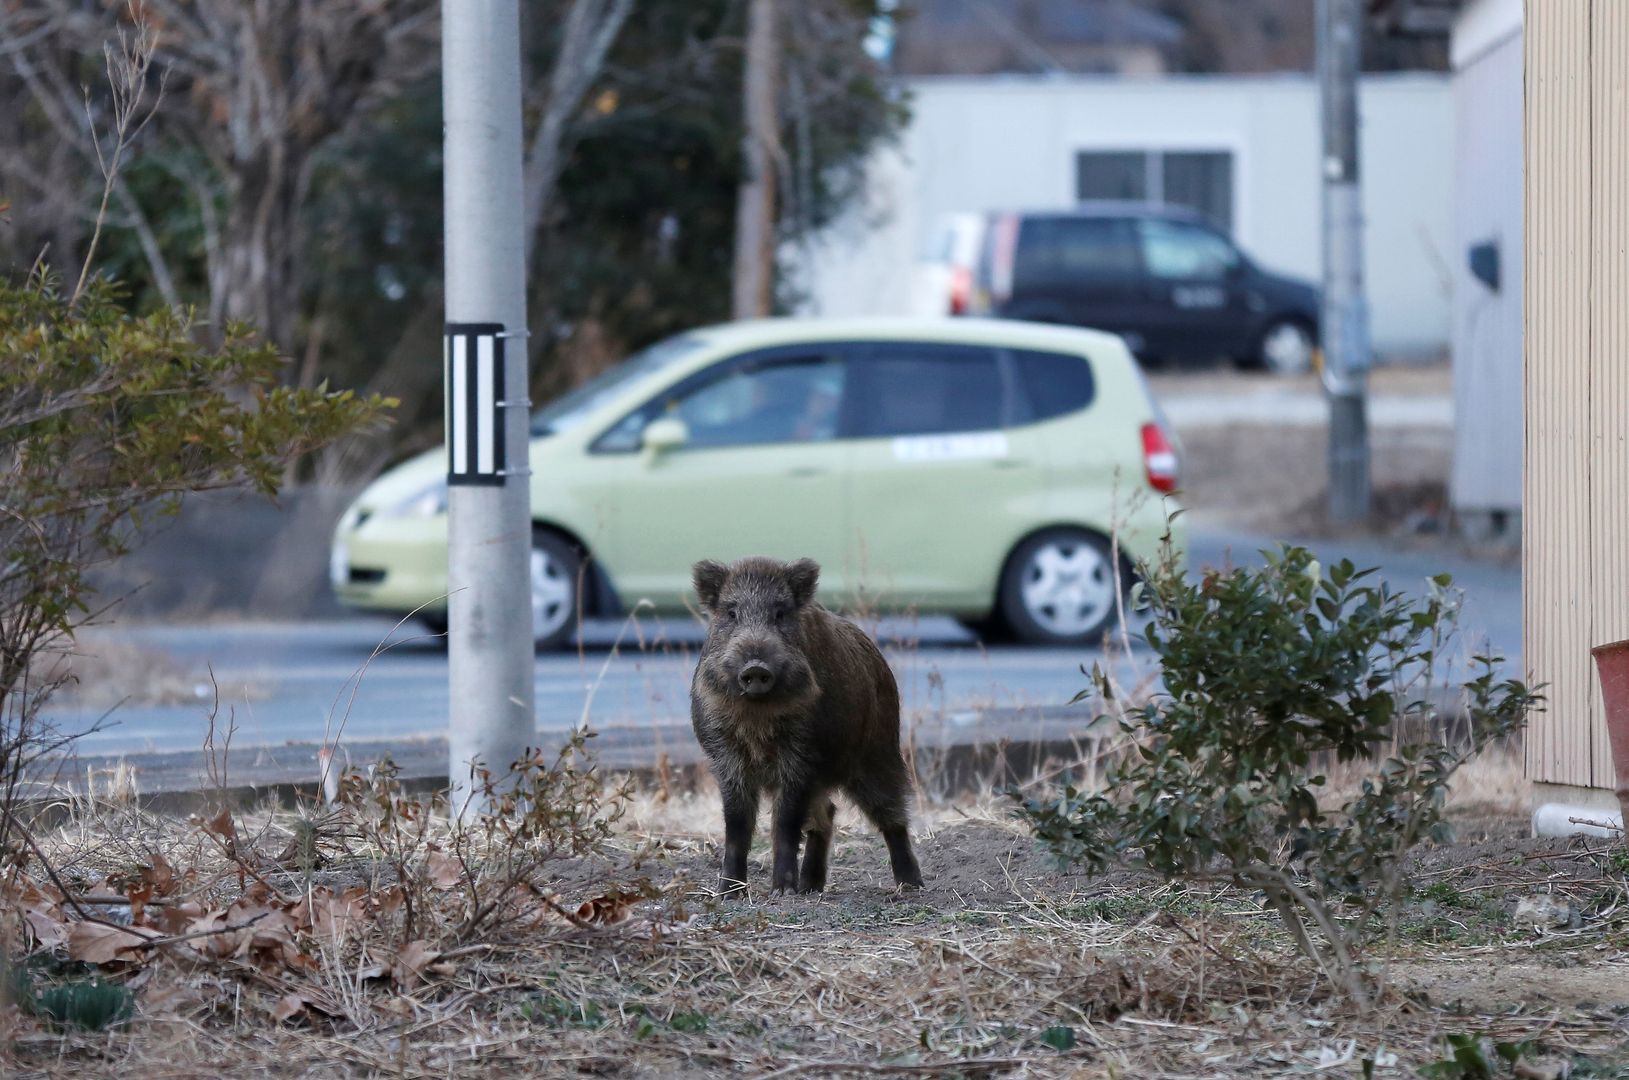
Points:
[106,420]
[1269,674]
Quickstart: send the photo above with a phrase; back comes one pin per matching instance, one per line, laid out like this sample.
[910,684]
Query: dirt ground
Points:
[1273,478]
[1003,965]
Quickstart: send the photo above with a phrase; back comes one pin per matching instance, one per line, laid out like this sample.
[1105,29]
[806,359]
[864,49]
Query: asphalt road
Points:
[363,679]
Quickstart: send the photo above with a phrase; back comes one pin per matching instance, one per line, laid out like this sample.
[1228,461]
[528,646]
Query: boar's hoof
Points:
[728,886]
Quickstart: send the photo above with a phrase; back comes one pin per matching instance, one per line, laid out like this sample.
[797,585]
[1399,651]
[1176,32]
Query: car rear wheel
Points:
[1059,588]
[1286,347]
[554,572]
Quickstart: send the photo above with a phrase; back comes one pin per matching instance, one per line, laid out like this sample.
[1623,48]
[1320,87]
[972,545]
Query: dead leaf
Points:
[160,875]
[412,963]
[330,918]
[179,919]
[100,943]
[611,908]
[442,869]
[48,932]
[138,895]
[289,1006]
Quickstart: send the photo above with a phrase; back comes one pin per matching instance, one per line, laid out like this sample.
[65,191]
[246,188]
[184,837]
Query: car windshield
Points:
[568,410]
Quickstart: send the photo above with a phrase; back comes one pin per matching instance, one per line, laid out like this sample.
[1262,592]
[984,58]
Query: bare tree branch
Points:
[591,28]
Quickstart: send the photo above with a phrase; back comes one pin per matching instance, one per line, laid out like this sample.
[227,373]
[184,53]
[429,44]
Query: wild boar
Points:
[789,698]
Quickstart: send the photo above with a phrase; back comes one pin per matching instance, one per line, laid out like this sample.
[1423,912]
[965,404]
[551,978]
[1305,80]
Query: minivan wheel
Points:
[554,569]
[1286,347]
[1059,588]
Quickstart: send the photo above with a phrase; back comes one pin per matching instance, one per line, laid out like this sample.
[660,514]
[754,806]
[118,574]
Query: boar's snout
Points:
[756,679]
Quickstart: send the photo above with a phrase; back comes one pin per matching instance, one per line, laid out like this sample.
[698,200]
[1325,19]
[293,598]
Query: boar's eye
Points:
[729,611]
[782,613]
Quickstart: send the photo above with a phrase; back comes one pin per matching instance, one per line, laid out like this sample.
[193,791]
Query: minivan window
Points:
[1178,250]
[1053,383]
[568,411]
[1061,250]
[919,389]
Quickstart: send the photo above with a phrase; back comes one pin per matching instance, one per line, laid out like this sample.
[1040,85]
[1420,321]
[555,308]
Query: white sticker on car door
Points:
[966,447]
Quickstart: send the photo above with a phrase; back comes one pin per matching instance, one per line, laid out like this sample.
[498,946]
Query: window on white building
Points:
[1201,180]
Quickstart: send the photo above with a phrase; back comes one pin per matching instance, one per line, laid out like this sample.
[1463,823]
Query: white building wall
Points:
[1010,143]
[1487,325]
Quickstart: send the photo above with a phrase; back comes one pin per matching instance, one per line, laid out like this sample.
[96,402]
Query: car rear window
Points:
[1053,383]
[918,389]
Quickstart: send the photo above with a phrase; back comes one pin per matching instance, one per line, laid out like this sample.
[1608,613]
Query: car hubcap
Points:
[551,595]
[1068,587]
[1287,348]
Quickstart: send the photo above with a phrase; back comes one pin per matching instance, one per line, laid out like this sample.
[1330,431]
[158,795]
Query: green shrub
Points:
[107,419]
[1269,674]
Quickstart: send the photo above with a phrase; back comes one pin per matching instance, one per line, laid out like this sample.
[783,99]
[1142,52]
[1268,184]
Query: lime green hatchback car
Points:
[967,467]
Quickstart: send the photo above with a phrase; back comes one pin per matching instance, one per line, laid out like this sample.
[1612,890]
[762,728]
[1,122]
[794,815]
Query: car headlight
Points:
[426,502]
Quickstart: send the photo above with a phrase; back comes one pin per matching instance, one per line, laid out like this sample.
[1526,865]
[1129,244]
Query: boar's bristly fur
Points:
[792,700]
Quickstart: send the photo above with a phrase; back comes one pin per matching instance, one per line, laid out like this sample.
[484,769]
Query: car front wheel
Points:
[1059,588]
[554,575]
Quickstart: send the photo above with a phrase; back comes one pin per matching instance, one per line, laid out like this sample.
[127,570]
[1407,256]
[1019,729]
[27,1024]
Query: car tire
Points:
[1058,588]
[554,574]
[1285,346]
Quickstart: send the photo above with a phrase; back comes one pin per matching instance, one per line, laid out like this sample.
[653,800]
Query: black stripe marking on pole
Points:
[475,403]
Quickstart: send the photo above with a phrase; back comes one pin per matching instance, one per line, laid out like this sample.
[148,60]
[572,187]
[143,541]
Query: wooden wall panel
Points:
[1557,527]
[1609,350]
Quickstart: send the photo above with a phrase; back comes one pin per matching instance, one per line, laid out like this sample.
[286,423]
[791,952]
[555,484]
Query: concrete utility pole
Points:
[489,641]
[1345,309]
[760,145]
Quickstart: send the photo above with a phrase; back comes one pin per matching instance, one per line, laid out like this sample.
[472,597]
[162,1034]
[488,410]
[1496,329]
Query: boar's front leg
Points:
[791,812]
[817,852]
[740,815]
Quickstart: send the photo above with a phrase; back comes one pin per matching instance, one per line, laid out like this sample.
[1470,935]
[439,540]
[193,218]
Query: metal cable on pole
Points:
[1345,320]
[489,625]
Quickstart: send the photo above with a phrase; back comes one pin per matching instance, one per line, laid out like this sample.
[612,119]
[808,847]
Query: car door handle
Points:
[1009,463]
[806,470]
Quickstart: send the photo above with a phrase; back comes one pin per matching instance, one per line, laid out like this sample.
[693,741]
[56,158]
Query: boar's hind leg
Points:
[818,852]
[791,812]
[884,804]
[740,815]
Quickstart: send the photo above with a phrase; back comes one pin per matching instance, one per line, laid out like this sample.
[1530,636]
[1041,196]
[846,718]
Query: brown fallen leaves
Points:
[279,941]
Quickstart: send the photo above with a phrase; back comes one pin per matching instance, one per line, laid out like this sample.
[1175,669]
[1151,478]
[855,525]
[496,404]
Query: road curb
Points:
[983,751]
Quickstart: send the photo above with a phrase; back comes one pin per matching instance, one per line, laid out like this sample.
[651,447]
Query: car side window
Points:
[921,389]
[1053,384]
[795,399]
[1178,250]
[1065,250]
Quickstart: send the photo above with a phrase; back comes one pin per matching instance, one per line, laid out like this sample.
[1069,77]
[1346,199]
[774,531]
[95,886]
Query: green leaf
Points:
[1058,1037]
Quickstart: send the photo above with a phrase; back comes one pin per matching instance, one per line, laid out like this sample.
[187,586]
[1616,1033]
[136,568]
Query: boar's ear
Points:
[709,581]
[803,576]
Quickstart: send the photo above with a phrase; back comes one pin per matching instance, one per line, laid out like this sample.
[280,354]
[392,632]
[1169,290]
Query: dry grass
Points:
[980,974]
[103,672]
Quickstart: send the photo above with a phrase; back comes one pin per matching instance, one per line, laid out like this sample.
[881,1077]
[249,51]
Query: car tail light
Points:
[961,290]
[1159,459]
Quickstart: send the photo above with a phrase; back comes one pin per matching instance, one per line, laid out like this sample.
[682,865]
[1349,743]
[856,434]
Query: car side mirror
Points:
[664,434]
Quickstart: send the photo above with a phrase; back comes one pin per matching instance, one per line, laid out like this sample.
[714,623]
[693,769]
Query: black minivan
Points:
[1161,277]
